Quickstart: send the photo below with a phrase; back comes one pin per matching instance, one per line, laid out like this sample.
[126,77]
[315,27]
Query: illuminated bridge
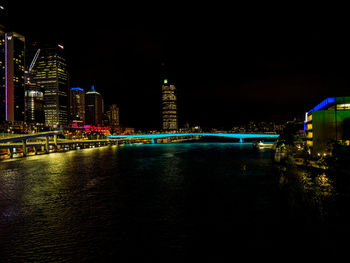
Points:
[13,141]
[154,137]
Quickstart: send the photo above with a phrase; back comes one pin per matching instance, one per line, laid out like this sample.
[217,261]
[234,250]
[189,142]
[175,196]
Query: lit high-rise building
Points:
[34,104]
[50,71]
[2,75]
[169,107]
[34,93]
[12,50]
[94,107]
[77,105]
[113,115]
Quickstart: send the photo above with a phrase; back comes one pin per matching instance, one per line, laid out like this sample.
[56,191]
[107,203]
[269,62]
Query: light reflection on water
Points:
[146,200]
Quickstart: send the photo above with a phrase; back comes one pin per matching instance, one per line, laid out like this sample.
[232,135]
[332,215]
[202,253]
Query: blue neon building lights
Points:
[324,104]
[77,88]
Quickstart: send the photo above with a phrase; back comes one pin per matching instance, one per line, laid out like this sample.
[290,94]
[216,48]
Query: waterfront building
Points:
[12,86]
[328,122]
[50,71]
[75,131]
[94,108]
[169,107]
[34,103]
[77,105]
[34,95]
[113,115]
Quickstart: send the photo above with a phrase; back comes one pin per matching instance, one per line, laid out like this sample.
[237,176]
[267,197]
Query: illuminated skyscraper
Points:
[169,107]
[12,48]
[34,104]
[94,107]
[77,105]
[2,75]
[113,115]
[50,71]
[34,93]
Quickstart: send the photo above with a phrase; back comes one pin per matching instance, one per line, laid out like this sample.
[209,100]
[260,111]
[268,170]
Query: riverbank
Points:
[17,150]
[295,158]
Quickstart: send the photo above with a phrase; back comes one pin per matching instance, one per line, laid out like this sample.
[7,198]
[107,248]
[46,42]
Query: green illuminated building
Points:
[328,122]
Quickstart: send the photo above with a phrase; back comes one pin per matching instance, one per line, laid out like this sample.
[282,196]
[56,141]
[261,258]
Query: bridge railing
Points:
[8,135]
[13,137]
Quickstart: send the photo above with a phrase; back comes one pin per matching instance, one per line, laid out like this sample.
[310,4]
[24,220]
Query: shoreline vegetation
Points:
[314,186]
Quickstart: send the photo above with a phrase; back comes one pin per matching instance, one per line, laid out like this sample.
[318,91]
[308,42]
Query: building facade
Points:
[50,71]
[113,115]
[77,106]
[169,107]
[2,75]
[12,83]
[94,108]
[34,104]
[328,122]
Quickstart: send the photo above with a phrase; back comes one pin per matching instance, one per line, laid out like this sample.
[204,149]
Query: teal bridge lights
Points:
[153,137]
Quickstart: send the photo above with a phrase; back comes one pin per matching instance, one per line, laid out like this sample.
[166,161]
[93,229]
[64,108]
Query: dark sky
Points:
[229,63]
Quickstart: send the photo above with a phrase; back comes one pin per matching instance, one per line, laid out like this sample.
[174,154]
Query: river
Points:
[165,202]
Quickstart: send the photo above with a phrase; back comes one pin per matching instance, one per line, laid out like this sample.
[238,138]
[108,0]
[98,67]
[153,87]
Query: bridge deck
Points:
[20,137]
[165,135]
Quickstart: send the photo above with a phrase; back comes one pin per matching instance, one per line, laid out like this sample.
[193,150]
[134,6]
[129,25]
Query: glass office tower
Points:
[34,104]
[2,74]
[113,115]
[12,50]
[77,105]
[94,107]
[50,71]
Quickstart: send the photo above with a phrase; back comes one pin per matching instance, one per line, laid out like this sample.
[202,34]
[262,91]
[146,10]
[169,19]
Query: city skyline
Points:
[173,131]
[218,65]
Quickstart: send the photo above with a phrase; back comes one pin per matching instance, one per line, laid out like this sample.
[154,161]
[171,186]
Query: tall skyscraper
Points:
[2,75]
[77,106]
[94,107]
[113,115]
[34,103]
[34,93]
[50,71]
[12,52]
[169,107]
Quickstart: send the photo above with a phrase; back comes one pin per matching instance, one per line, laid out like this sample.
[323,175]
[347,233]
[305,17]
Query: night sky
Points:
[230,64]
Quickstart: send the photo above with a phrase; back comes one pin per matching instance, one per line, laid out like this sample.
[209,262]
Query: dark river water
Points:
[165,202]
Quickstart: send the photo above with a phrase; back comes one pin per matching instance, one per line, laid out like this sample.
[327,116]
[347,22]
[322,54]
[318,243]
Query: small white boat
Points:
[263,145]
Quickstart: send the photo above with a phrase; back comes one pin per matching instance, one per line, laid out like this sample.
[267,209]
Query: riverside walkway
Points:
[22,144]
